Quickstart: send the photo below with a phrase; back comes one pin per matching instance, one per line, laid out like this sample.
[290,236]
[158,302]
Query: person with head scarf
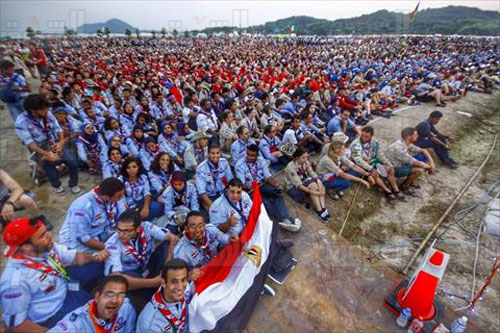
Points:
[91,148]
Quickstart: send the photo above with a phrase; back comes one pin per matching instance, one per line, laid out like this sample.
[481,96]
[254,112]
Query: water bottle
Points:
[459,325]
[403,318]
[416,325]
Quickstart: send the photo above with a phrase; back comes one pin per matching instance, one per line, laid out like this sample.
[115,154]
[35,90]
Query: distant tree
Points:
[175,33]
[106,31]
[186,34]
[30,32]
[69,31]
[99,32]
[153,34]
[128,33]
[163,32]
[137,33]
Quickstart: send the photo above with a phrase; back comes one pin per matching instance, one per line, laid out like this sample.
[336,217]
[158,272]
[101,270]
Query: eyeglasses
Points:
[112,294]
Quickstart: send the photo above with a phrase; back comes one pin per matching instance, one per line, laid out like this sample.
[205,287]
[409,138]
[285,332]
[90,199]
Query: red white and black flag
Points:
[230,285]
[414,12]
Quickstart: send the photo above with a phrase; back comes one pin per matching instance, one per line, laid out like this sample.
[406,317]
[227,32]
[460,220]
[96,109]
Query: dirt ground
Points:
[389,234]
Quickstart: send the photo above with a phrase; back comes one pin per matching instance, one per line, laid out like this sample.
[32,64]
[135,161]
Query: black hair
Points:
[173,265]
[240,130]
[268,129]
[194,213]
[187,100]
[299,152]
[155,166]
[113,149]
[224,115]
[235,182]
[130,215]
[107,122]
[110,186]
[111,279]
[368,129]
[408,131]
[125,164]
[213,146]
[279,102]
[253,148]
[6,64]
[35,102]
[436,114]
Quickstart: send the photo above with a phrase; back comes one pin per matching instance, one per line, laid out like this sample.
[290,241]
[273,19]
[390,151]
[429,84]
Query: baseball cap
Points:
[19,232]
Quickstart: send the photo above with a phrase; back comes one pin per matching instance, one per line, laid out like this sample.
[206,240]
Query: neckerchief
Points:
[52,267]
[179,198]
[109,208]
[140,250]
[302,172]
[45,126]
[214,172]
[199,154]
[137,142]
[172,139]
[116,167]
[134,187]
[201,245]
[298,134]
[254,170]
[272,146]
[89,144]
[159,302]
[96,322]
[236,208]
[367,148]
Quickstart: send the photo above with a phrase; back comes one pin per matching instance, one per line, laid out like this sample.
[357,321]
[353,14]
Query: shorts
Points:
[403,171]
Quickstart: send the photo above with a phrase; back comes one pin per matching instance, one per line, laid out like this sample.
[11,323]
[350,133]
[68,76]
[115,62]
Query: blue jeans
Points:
[87,277]
[340,184]
[274,203]
[15,109]
[53,175]
[440,151]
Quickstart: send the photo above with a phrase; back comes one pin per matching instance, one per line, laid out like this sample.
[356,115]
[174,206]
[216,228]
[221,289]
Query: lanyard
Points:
[235,207]
[53,268]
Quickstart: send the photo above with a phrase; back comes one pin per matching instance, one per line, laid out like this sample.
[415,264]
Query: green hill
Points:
[114,26]
[448,20]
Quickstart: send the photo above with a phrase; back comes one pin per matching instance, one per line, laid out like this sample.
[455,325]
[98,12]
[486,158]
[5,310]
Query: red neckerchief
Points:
[109,210]
[141,253]
[159,302]
[41,266]
[203,245]
[93,314]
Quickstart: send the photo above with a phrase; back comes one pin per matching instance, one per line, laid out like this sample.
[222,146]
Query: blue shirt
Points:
[335,125]
[83,147]
[120,260]
[196,256]
[136,192]
[248,172]
[173,199]
[34,130]
[212,179]
[79,320]
[26,295]
[111,169]
[159,180]
[239,149]
[88,219]
[265,146]
[221,210]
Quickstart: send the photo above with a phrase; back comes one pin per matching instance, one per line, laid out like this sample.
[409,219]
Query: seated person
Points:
[109,311]
[230,211]
[253,168]
[13,197]
[195,153]
[430,137]
[200,243]
[269,147]
[91,148]
[132,251]
[42,282]
[170,142]
[113,166]
[343,123]
[301,180]
[168,310]
[212,176]
[298,135]
[179,199]
[138,190]
[239,147]
[91,218]
[401,152]
[148,153]
[160,175]
[367,154]
[136,141]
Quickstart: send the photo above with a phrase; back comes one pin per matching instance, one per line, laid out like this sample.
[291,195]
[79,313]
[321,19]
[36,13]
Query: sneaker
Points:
[59,190]
[322,214]
[297,222]
[75,189]
[340,193]
[408,190]
[267,290]
[332,194]
[288,225]
[328,216]
[400,196]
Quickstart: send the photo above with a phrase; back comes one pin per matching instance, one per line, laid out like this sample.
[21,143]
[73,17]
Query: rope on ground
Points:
[448,210]
[349,209]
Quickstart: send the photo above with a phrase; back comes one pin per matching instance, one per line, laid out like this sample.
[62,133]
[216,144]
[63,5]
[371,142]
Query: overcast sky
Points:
[16,15]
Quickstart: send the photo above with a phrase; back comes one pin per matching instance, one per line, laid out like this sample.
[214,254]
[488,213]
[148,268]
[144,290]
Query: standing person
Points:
[43,280]
[401,154]
[109,311]
[430,137]
[13,89]
[13,197]
[38,57]
[91,218]
[212,176]
[301,181]
[41,133]
[168,310]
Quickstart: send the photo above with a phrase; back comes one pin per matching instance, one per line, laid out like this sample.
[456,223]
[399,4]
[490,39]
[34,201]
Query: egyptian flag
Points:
[414,12]
[230,285]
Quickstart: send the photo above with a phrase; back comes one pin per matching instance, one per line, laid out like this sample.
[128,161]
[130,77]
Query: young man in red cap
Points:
[41,283]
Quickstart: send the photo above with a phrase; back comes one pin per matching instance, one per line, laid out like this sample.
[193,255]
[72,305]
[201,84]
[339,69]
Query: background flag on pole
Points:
[414,12]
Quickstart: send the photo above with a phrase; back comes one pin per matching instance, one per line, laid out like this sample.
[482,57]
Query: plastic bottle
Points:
[459,325]
[403,318]
[416,325]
